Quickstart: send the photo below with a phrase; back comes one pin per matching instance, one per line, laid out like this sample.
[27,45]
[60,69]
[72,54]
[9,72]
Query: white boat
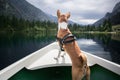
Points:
[42,61]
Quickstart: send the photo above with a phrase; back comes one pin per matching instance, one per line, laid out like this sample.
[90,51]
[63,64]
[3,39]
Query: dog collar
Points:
[62,25]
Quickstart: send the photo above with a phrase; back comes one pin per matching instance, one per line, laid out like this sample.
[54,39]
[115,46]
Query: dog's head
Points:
[62,17]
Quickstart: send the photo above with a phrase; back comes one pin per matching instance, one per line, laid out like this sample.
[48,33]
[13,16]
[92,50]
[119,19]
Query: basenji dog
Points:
[68,43]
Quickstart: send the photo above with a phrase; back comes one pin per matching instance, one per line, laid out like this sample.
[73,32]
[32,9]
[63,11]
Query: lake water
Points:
[13,47]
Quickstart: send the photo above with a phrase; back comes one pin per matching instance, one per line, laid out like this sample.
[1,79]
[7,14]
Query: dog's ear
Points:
[58,13]
[68,15]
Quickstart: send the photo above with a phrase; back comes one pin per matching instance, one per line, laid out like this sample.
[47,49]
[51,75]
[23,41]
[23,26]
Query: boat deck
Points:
[48,60]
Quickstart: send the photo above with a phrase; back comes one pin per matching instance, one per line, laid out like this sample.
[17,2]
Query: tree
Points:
[107,25]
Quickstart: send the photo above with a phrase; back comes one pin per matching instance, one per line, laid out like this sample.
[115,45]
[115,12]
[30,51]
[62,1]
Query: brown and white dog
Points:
[80,67]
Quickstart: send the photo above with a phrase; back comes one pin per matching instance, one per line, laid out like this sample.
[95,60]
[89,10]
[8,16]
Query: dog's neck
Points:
[62,25]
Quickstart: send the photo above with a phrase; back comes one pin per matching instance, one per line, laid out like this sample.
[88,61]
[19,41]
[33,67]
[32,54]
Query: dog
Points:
[67,42]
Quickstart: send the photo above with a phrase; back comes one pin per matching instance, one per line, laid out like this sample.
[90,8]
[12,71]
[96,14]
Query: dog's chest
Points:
[62,25]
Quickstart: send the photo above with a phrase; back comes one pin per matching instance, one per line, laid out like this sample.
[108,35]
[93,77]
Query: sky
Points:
[82,11]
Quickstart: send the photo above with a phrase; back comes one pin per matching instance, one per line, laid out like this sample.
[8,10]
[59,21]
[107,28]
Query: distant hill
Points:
[22,9]
[25,10]
[114,16]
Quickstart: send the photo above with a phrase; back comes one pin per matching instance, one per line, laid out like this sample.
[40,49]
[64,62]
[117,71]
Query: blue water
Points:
[90,46]
[16,46]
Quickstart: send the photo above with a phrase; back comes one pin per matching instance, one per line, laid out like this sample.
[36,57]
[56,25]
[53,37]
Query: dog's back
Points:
[79,60]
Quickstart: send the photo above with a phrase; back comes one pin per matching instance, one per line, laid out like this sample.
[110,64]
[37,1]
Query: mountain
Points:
[54,18]
[22,9]
[113,17]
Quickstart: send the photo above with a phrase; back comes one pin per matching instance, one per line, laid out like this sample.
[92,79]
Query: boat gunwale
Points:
[12,69]
[93,59]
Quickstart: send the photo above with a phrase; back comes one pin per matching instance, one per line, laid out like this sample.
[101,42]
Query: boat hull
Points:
[44,58]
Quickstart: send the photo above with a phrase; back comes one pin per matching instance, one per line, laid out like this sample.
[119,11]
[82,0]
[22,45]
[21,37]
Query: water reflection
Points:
[16,46]
[90,46]
[106,44]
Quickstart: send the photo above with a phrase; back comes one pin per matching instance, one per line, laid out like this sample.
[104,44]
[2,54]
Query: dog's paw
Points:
[56,58]
[62,55]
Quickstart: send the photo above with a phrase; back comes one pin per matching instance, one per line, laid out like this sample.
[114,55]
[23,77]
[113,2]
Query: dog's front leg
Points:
[63,54]
[58,56]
